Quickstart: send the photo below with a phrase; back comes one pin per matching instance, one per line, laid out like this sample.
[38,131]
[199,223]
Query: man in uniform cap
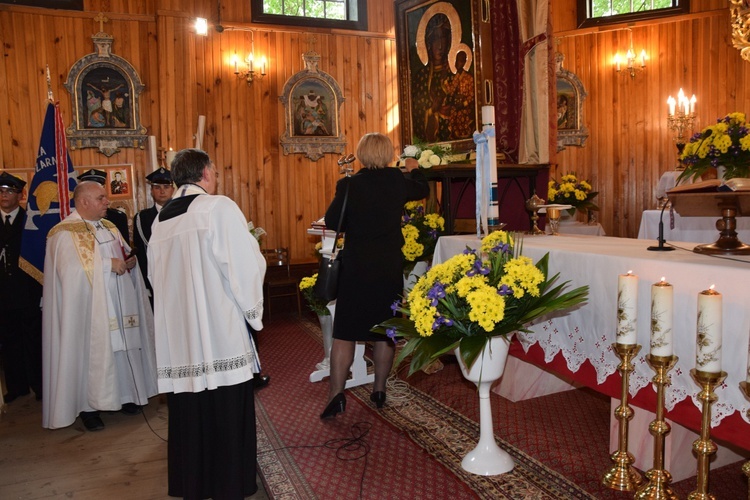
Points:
[161,191]
[115,216]
[20,296]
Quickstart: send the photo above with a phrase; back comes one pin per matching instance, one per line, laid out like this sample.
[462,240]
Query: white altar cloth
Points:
[588,332]
[696,229]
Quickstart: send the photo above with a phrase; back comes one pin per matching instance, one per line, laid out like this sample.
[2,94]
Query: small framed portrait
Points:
[118,183]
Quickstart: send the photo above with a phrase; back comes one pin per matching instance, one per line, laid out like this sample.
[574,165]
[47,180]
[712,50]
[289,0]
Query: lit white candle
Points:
[709,331]
[662,303]
[170,157]
[692,104]
[672,104]
[617,62]
[627,303]
[643,58]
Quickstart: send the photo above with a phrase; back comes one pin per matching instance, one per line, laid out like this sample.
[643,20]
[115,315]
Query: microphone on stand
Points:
[660,239]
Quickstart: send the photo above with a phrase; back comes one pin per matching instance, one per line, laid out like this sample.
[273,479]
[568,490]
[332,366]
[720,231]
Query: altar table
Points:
[578,343]
[695,229]
[572,226]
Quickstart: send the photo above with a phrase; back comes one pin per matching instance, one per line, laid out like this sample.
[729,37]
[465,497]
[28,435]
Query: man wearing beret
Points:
[161,191]
[20,296]
[119,219]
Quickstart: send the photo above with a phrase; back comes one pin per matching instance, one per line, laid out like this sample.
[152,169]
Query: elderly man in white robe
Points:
[97,324]
[206,271]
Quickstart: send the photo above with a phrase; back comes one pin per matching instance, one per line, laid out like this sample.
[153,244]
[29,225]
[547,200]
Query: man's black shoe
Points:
[92,421]
[261,381]
[131,409]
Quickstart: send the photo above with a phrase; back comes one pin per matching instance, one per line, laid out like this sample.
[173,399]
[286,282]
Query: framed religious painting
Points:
[740,19]
[570,96]
[105,90]
[445,73]
[312,101]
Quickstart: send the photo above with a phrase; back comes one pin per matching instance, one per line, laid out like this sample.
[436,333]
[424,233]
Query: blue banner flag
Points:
[49,195]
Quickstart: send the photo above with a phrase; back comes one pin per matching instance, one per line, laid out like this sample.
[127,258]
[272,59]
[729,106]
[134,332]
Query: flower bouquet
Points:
[316,305]
[421,232]
[257,232]
[427,156]
[725,144]
[571,191]
[474,296]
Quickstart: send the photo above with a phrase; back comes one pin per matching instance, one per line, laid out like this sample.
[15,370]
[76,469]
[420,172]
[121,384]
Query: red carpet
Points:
[414,448]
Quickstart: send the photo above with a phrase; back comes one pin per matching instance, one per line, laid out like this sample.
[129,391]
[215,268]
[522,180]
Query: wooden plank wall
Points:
[186,76]
[630,145]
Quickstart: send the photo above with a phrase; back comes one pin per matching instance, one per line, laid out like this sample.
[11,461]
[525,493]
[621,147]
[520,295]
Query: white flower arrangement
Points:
[257,232]
[427,157]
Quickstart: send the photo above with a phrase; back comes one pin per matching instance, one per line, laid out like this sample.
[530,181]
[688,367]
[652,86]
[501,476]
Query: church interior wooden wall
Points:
[187,75]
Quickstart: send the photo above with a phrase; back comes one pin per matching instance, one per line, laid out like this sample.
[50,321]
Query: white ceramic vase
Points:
[487,459]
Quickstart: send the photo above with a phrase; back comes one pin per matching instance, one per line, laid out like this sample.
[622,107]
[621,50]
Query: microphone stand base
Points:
[660,248]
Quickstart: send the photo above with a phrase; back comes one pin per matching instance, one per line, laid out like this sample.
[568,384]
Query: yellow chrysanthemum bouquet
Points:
[474,296]
[421,232]
[316,305]
[725,144]
[571,191]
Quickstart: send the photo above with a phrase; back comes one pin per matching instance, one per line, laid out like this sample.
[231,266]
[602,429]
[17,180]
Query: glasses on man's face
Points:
[8,191]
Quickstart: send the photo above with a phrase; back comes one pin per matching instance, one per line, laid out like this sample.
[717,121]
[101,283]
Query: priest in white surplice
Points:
[206,271]
[97,325]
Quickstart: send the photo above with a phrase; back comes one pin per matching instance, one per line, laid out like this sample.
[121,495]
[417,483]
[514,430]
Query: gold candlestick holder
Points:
[532,205]
[622,476]
[704,447]
[745,387]
[659,478]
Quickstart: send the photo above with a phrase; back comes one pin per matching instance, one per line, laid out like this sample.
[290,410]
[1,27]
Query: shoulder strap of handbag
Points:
[341,220]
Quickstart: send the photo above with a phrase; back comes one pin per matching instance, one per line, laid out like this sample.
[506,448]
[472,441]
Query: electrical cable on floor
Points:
[347,449]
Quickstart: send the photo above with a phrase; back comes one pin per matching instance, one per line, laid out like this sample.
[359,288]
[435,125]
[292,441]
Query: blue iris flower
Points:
[436,293]
[391,334]
[505,290]
[395,306]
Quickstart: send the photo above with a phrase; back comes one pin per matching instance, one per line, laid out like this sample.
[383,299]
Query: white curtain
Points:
[535,129]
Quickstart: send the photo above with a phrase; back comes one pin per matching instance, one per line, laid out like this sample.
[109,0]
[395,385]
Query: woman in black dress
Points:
[371,272]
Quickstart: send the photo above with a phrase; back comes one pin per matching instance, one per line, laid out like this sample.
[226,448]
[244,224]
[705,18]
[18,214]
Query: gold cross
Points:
[101,18]
[131,321]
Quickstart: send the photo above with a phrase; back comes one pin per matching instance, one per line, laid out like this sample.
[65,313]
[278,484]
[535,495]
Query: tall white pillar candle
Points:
[493,209]
[170,157]
[627,308]
[709,332]
[152,153]
[199,133]
[662,303]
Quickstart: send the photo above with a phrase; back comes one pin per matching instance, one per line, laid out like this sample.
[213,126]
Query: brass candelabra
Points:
[622,476]
[703,446]
[745,387]
[657,486]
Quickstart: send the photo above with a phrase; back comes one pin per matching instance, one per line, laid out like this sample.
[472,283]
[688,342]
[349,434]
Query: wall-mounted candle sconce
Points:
[630,61]
[250,72]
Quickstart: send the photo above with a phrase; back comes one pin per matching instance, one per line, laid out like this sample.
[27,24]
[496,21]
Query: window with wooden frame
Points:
[603,12]
[342,14]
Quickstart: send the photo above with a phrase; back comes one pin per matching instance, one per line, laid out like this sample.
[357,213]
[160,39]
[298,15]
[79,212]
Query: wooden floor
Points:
[128,459]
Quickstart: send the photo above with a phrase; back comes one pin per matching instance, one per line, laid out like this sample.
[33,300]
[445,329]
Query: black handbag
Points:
[327,285]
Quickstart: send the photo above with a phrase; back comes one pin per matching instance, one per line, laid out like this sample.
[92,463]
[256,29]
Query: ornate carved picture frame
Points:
[570,96]
[105,90]
[442,70]
[740,15]
[312,100]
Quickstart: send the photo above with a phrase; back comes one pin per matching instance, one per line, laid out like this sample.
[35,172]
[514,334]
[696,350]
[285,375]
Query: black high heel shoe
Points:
[336,406]
[378,398]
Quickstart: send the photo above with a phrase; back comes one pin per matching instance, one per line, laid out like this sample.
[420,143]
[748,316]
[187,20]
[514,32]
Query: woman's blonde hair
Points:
[375,150]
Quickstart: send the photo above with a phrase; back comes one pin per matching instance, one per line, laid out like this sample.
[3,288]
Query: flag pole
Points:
[49,87]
